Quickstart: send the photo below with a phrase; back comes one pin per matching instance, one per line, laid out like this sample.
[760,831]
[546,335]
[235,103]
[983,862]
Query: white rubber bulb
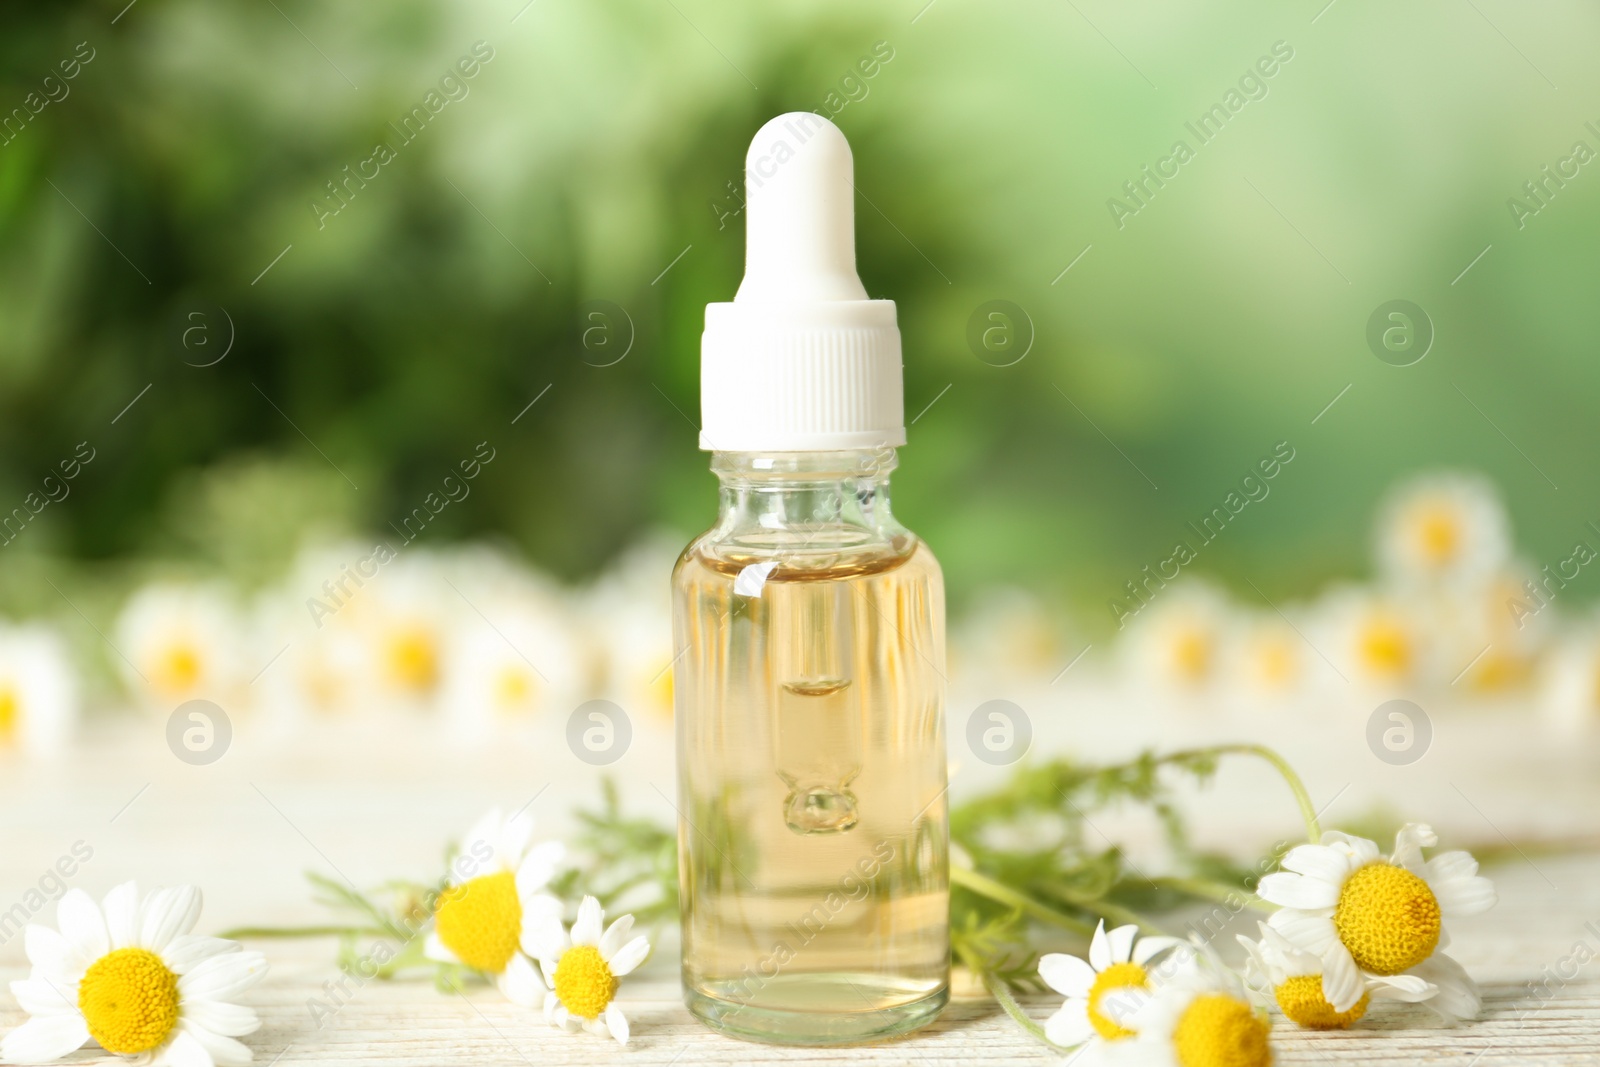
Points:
[800,220]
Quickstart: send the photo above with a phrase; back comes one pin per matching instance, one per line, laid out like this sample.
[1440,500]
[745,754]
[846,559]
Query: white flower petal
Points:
[617,1022]
[629,956]
[545,939]
[1341,979]
[1458,997]
[82,924]
[435,949]
[1099,948]
[1318,861]
[479,849]
[45,1038]
[121,907]
[223,977]
[183,1050]
[520,981]
[513,842]
[1121,941]
[1409,843]
[1409,988]
[615,937]
[1359,849]
[1147,948]
[1298,891]
[1450,865]
[38,995]
[219,1017]
[186,951]
[223,1050]
[51,952]
[551,1003]
[586,930]
[539,866]
[1465,896]
[168,913]
[1312,932]
[548,969]
[1070,1024]
[1067,975]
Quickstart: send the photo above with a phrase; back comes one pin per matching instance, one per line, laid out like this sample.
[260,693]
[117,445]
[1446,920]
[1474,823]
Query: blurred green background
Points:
[589,159]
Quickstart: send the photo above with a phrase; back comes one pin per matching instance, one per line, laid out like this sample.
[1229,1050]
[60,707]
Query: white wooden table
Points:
[371,804]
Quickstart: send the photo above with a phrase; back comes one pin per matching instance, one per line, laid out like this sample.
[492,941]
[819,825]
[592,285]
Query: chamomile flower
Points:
[629,623]
[1362,913]
[181,643]
[1443,528]
[493,903]
[1199,1015]
[1571,682]
[1011,633]
[1104,990]
[1270,659]
[1292,978]
[129,975]
[406,616]
[584,967]
[1375,641]
[519,658]
[1176,642]
[38,699]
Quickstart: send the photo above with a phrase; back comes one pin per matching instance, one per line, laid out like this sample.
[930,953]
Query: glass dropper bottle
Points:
[809,688]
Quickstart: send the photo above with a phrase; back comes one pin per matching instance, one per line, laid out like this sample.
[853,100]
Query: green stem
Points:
[1308,810]
[1221,892]
[1002,994]
[1004,894]
[239,933]
[1104,908]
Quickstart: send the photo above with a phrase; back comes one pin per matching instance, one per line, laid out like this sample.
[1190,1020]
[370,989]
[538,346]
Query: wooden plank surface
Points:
[368,804]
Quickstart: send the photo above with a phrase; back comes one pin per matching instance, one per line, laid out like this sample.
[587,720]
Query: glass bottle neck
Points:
[822,500]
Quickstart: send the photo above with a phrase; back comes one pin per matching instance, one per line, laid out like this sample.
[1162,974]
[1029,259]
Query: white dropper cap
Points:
[801,360]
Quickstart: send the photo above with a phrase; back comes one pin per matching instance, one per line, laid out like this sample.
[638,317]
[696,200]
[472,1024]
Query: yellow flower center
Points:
[10,707]
[414,659]
[584,982]
[481,921]
[1113,980]
[1276,661]
[514,689]
[129,1000]
[1385,647]
[661,692]
[1388,918]
[1220,1031]
[1439,536]
[1302,1002]
[178,668]
[1191,655]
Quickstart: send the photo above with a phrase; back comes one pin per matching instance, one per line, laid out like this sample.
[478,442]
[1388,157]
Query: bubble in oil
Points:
[818,806]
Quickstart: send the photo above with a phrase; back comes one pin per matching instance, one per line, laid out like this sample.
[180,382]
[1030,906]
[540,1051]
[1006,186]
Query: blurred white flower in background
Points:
[1175,644]
[628,623]
[1570,682]
[1483,641]
[38,693]
[516,653]
[1442,528]
[1010,634]
[1269,658]
[405,617]
[182,642]
[1376,641]
[307,639]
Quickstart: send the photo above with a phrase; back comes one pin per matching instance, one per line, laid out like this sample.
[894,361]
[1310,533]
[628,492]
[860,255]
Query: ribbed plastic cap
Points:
[801,360]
